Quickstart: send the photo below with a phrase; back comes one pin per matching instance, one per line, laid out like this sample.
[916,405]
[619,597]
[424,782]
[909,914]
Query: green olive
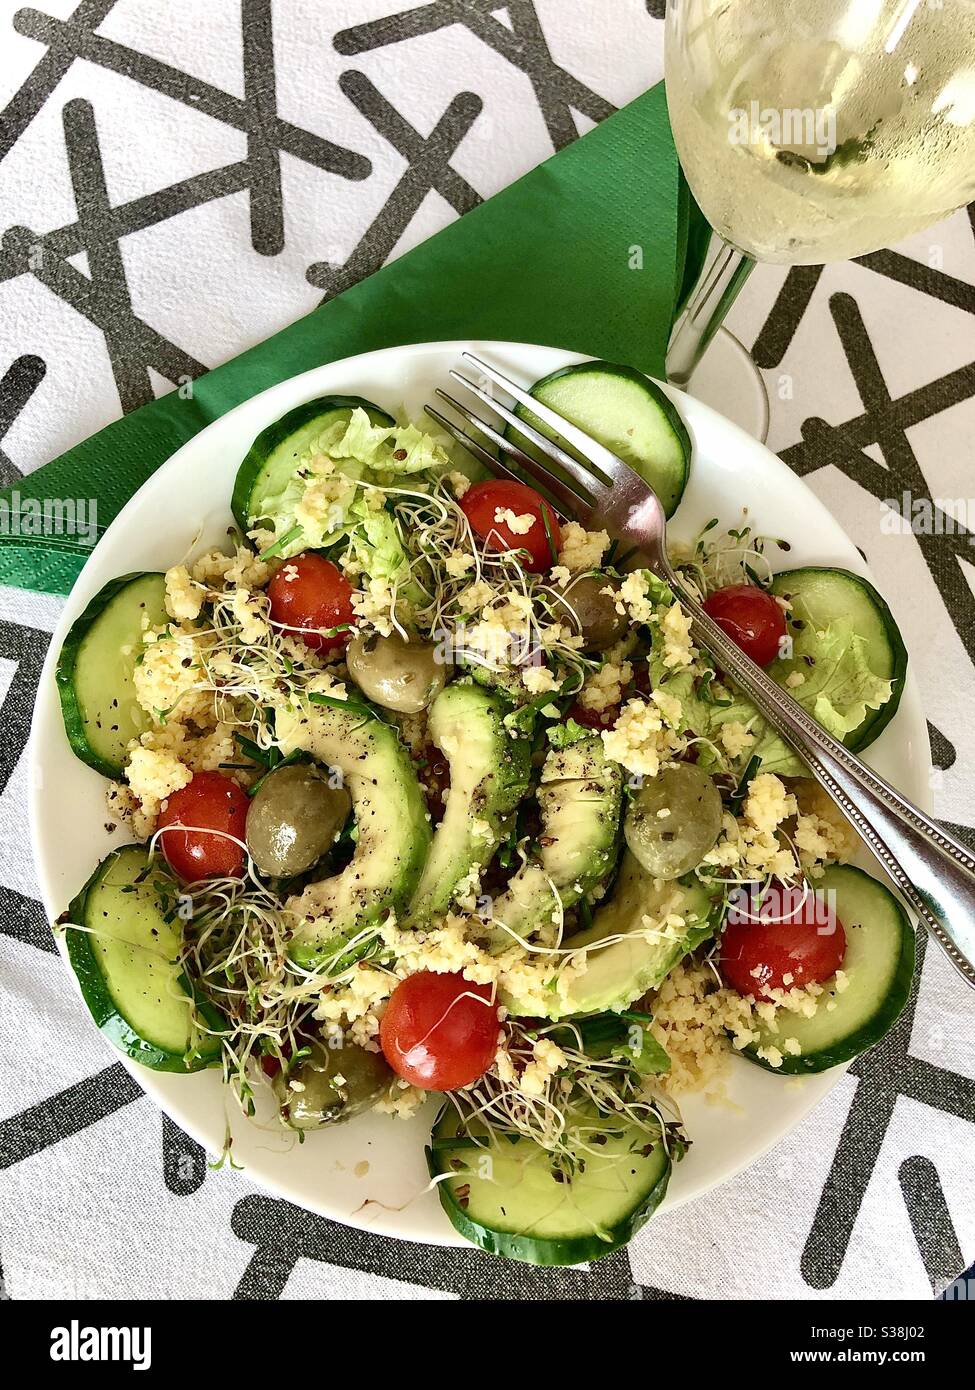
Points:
[595,611]
[333,1084]
[671,844]
[293,818]
[404,676]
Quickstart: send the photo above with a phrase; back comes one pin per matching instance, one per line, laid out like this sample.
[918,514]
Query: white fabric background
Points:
[100,1212]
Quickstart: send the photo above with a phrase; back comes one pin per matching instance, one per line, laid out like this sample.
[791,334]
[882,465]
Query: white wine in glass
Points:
[816,130]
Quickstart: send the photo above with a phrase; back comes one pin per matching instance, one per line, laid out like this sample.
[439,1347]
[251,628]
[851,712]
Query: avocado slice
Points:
[488,777]
[390,816]
[618,973]
[579,795]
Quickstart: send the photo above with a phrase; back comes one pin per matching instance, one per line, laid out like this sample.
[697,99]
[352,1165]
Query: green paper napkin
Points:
[593,251]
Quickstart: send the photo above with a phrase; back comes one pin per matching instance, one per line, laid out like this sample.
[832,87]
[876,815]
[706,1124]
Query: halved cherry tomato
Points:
[309,597]
[483,502]
[751,618]
[439,1031]
[795,935]
[210,802]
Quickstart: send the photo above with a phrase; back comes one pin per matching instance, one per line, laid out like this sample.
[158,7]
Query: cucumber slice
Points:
[94,674]
[127,963]
[272,460]
[626,412]
[505,1198]
[823,595]
[879,966]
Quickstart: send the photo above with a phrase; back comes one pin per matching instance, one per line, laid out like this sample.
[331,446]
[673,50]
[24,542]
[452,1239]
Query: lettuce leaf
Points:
[839,686]
[838,689]
[401,450]
[363,453]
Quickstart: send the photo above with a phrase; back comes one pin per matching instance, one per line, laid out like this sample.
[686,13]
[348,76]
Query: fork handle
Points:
[934,872]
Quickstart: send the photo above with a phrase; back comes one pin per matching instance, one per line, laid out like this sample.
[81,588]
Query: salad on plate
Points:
[429,790]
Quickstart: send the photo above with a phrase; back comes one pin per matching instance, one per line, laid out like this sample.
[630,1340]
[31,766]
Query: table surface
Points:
[168,244]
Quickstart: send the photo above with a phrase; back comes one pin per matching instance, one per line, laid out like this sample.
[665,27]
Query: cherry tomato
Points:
[481,504]
[309,596]
[751,618]
[793,935]
[210,802]
[439,1031]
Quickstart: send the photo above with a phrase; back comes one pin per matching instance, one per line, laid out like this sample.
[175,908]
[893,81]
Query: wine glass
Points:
[813,131]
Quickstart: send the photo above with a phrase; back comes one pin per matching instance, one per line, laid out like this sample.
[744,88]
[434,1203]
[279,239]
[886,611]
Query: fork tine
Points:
[473,446]
[582,476]
[484,456]
[602,458]
[569,502]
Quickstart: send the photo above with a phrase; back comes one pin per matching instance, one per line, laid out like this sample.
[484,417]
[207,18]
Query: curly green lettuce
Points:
[320,506]
[838,688]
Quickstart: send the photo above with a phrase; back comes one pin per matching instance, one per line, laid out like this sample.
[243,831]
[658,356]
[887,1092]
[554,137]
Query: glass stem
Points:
[712,297]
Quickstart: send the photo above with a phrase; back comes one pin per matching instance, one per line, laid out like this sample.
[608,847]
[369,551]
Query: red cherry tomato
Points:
[210,802]
[481,504]
[751,618]
[439,1031]
[309,596]
[793,935]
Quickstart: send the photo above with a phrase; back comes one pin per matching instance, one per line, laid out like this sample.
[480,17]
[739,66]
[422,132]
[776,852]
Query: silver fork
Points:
[934,872]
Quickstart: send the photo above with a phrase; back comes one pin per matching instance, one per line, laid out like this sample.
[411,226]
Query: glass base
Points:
[728,381]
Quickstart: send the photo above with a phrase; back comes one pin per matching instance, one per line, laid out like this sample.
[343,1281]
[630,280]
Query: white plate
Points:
[371,1173]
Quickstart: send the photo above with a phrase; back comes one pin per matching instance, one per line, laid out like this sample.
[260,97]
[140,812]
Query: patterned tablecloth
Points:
[171,237]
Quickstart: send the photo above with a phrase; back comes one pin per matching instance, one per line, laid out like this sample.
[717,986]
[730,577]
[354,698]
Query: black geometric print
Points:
[884,422]
[67,1113]
[888,1070]
[254,114]
[918,276]
[25,103]
[27,648]
[884,1074]
[428,168]
[943,753]
[23,920]
[785,316]
[931,1222]
[800,283]
[103,294]
[558,93]
[20,917]
[133,346]
[18,384]
[283,1234]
